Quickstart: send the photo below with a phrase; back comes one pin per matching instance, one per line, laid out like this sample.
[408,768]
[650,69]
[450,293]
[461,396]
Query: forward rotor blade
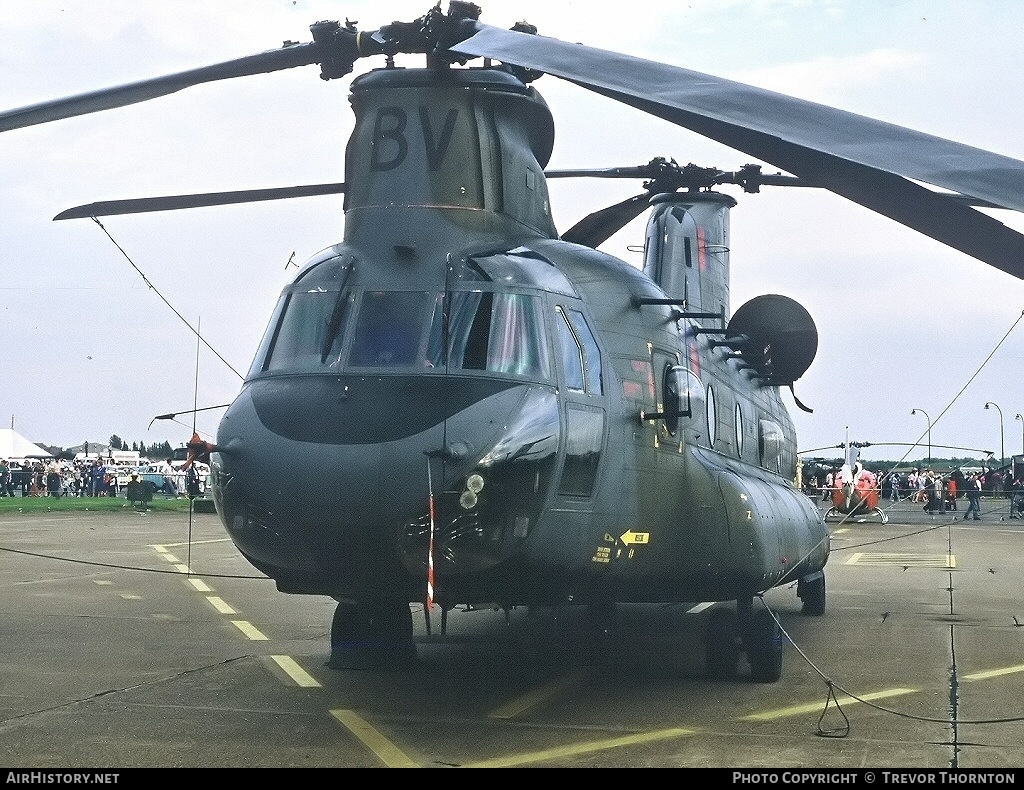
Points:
[596,228]
[287,57]
[106,208]
[821,144]
[641,171]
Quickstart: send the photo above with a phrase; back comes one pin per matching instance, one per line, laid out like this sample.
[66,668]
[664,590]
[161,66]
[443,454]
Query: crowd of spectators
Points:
[935,491]
[82,478]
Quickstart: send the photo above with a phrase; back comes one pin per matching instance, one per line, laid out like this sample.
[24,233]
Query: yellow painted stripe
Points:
[170,557]
[220,604]
[200,585]
[183,568]
[102,582]
[295,672]
[994,673]
[251,631]
[580,749]
[815,707]
[910,560]
[373,739]
[536,697]
[190,543]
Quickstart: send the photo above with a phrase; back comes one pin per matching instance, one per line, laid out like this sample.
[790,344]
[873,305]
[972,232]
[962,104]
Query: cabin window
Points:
[682,395]
[771,441]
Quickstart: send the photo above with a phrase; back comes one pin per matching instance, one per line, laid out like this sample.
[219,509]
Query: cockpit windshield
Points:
[329,330]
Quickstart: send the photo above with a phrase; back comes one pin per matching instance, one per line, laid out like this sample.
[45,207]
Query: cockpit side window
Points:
[581,358]
[591,353]
[498,332]
[300,337]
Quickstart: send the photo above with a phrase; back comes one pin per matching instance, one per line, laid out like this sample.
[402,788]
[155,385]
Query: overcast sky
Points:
[89,349]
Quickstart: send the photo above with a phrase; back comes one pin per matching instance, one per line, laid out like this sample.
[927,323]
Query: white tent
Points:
[14,445]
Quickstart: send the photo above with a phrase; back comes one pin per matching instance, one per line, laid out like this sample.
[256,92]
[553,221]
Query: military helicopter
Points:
[519,419]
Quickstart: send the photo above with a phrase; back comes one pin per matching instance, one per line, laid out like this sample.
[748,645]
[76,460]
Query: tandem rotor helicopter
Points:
[520,419]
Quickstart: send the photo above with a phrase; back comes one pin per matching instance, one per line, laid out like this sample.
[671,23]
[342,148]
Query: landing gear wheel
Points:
[601,626]
[764,647]
[372,636]
[811,591]
[722,652]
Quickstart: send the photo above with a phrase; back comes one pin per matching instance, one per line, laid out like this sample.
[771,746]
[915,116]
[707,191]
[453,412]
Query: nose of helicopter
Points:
[338,500]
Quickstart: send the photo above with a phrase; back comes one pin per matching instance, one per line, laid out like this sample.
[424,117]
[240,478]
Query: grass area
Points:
[44,504]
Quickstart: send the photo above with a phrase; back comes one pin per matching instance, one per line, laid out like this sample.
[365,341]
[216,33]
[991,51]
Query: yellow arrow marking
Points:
[629,536]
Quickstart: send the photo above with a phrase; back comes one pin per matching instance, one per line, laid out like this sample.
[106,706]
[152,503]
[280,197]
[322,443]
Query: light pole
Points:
[915,411]
[1021,418]
[1002,446]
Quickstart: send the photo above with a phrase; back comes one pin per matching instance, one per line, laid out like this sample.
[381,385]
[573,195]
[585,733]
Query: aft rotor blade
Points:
[287,57]
[106,208]
[596,228]
[821,144]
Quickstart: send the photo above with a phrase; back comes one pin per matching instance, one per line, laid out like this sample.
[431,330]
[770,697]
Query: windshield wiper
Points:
[337,313]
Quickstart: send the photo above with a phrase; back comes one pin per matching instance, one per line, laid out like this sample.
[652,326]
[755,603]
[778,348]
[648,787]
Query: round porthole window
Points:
[712,417]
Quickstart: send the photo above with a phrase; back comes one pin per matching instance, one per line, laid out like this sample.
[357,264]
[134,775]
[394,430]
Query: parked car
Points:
[173,483]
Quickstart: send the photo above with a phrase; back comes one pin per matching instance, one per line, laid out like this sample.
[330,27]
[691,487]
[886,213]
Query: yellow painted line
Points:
[200,585]
[815,707]
[994,673]
[373,739]
[170,557]
[220,604]
[581,748]
[183,569]
[910,560]
[295,672]
[131,597]
[536,697]
[163,547]
[102,582]
[251,631]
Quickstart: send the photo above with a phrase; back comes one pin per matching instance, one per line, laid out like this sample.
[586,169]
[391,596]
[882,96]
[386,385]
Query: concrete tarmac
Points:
[145,640]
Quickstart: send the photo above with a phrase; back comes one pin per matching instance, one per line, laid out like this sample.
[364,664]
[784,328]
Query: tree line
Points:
[155,451]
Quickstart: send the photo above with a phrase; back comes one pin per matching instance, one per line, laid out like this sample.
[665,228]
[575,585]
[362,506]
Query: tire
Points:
[812,593]
[377,635]
[721,650]
[764,648]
